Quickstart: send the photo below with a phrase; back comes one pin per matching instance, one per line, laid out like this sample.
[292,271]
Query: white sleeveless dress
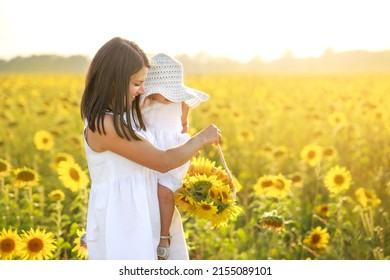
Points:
[123,219]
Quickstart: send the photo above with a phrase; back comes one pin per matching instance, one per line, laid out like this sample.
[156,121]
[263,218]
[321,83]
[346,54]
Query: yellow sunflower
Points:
[80,247]
[222,217]
[60,157]
[329,153]
[323,210]
[237,115]
[10,244]
[281,186]
[37,245]
[206,197]
[221,194]
[237,184]
[263,185]
[184,201]
[296,180]
[76,141]
[43,140]
[272,221]
[72,176]
[311,154]
[245,135]
[338,180]
[317,238]
[5,168]
[379,115]
[337,120]
[25,177]
[204,166]
[199,185]
[273,186]
[280,153]
[206,210]
[201,165]
[56,195]
[367,198]
[268,151]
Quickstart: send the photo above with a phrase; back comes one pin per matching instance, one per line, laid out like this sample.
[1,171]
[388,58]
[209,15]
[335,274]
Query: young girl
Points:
[165,110]
[123,212]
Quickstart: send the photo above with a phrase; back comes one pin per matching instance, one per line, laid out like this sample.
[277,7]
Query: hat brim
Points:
[190,96]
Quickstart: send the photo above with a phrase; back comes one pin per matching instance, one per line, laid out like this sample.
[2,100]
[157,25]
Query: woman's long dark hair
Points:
[107,87]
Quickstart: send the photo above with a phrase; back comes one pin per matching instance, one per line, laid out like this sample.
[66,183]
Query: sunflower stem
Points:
[16,197]
[84,202]
[6,201]
[317,174]
[338,231]
[58,209]
[42,199]
[31,204]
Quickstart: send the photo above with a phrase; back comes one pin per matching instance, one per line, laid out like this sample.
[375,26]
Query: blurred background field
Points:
[310,155]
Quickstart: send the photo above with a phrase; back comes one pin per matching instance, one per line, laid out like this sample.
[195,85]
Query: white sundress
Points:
[123,219]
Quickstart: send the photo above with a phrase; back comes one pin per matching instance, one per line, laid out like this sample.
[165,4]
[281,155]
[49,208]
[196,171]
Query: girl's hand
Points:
[185,128]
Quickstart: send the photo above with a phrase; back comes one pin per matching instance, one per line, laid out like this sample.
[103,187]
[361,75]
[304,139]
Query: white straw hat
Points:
[165,77]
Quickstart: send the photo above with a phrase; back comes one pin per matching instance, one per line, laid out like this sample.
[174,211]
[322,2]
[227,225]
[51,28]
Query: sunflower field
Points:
[309,155]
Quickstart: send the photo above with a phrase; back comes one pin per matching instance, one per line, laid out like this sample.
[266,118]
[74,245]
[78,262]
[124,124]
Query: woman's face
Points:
[137,83]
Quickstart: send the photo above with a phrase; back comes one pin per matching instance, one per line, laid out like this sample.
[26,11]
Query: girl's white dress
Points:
[163,121]
[123,220]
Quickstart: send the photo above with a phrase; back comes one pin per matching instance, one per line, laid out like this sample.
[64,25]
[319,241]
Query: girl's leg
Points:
[166,203]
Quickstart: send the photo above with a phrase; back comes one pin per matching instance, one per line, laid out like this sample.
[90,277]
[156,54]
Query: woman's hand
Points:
[210,135]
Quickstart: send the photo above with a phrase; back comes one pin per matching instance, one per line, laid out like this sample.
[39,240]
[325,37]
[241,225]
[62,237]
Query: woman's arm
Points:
[144,153]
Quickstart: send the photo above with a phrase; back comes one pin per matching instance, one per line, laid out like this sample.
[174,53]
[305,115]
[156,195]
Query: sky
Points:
[239,29]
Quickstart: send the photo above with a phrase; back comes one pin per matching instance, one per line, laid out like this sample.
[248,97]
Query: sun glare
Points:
[267,29]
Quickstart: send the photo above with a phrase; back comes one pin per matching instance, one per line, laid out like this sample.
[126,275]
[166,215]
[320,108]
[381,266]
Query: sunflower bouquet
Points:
[208,193]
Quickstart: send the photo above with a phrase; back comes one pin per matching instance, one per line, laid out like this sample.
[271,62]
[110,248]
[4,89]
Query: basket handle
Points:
[225,166]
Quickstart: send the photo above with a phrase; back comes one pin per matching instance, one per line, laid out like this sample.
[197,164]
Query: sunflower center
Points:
[339,179]
[328,152]
[279,184]
[3,167]
[7,245]
[57,196]
[45,140]
[206,207]
[35,245]
[244,134]
[266,184]
[311,154]
[26,176]
[279,154]
[315,238]
[74,174]
[59,159]
[225,195]
[368,195]
[296,179]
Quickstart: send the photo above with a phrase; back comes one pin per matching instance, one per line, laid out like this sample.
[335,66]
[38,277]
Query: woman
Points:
[123,220]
